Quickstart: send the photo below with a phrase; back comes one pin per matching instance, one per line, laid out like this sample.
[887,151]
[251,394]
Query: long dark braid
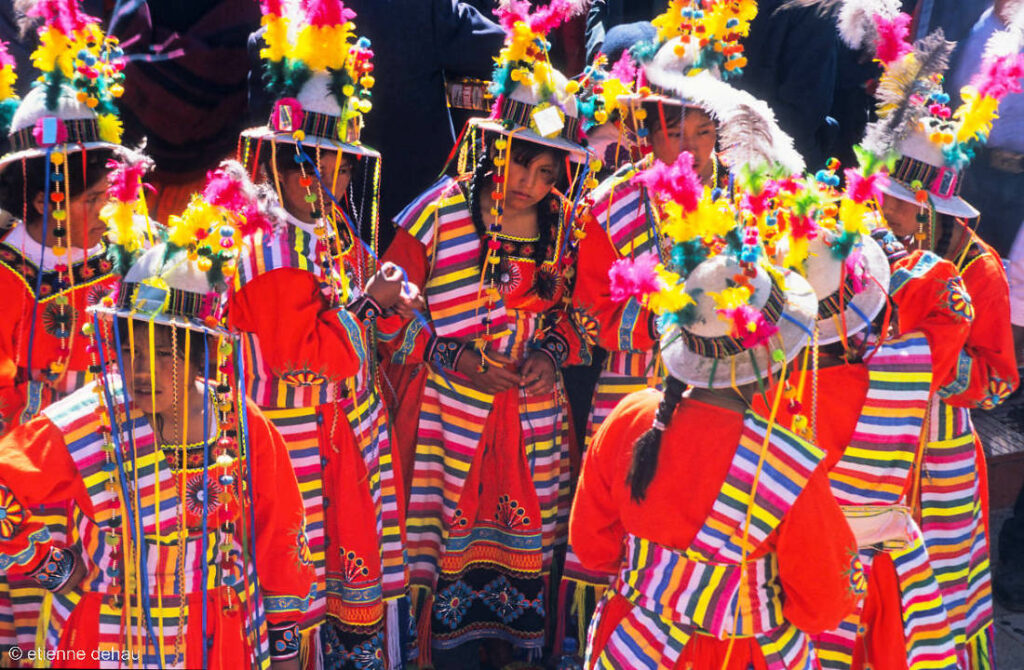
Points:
[647,447]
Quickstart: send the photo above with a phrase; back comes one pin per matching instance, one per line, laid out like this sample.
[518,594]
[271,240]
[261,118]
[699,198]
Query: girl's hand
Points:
[538,374]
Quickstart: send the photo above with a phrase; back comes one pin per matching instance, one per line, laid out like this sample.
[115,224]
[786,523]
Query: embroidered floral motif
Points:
[459,519]
[509,277]
[194,497]
[370,654]
[504,600]
[511,513]
[355,567]
[12,514]
[586,325]
[858,583]
[59,321]
[303,378]
[998,391]
[302,551]
[958,299]
[452,604]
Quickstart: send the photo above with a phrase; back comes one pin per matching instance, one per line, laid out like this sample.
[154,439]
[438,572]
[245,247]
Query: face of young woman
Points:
[696,134]
[900,215]
[293,193]
[156,385]
[83,214]
[528,184]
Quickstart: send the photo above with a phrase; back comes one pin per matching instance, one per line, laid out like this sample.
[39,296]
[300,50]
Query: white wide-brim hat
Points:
[316,112]
[824,272]
[922,160]
[169,291]
[76,125]
[521,116]
[704,354]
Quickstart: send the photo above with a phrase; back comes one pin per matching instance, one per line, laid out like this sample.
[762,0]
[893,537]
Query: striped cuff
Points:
[55,570]
[444,352]
[555,346]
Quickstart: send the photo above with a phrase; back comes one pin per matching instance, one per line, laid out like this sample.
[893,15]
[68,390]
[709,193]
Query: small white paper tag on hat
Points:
[548,121]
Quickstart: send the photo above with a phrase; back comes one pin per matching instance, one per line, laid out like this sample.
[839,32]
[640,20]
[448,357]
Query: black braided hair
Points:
[647,447]
[548,211]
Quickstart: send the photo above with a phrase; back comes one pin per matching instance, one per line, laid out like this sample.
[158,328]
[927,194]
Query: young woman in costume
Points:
[492,251]
[307,297]
[191,547]
[737,572]
[53,261]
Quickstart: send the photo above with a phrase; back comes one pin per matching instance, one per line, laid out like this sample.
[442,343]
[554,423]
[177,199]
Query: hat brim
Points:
[264,133]
[801,308]
[955,206]
[36,152]
[577,152]
[868,302]
[161,319]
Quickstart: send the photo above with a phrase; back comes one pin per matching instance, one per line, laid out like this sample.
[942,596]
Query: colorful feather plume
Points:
[901,89]
[125,213]
[8,96]
[218,222]
[634,278]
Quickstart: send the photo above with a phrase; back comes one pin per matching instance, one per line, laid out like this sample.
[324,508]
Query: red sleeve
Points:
[296,327]
[405,342]
[817,555]
[12,395]
[596,531]
[987,365]
[35,468]
[282,551]
[618,325]
[930,297]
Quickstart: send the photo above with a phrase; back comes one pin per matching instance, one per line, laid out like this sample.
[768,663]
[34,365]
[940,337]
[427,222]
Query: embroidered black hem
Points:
[284,641]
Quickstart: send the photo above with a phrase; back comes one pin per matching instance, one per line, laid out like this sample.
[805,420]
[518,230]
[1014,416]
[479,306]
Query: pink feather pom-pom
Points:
[861,188]
[634,278]
[892,37]
[125,180]
[742,317]
[541,20]
[677,182]
[225,191]
[326,12]
[624,69]
[803,227]
[855,270]
[5,56]
[64,15]
[255,221]
[1000,77]
[759,203]
[272,7]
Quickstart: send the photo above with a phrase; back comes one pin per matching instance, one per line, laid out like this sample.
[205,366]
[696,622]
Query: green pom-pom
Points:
[778,355]
[7,109]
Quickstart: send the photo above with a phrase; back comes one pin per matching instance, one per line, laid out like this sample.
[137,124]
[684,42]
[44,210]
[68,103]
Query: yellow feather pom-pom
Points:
[110,128]
[975,115]
[120,220]
[673,296]
[731,297]
[54,52]
[854,216]
[7,80]
[276,38]
[323,47]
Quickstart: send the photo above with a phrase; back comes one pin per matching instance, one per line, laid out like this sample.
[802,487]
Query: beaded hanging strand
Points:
[181,530]
[58,197]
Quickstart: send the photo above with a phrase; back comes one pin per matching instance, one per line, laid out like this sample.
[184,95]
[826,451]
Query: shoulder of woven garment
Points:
[782,440]
[418,215]
[609,190]
[82,404]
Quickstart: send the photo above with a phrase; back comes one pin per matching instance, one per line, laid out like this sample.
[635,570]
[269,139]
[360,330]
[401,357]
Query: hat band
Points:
[520,114]
[325,126]
[829,307]
[79,131]
[943,182]
[148,300]
[727,346]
